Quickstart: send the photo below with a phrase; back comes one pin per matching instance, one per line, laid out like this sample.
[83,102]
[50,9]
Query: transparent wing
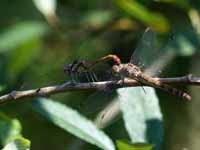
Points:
[147,52]
[145,48]
[96,102]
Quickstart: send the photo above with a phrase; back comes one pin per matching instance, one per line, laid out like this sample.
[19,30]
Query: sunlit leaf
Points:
[122,145]
[18,144]
[9,129]
[19,34]
[71,121]
[48,9]
[152,19]
[141,114]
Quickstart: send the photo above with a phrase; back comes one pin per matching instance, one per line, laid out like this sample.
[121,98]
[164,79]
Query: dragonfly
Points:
[130,70]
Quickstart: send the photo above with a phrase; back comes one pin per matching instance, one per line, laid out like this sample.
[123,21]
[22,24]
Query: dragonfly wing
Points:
[145,47]
[108,115]
[156,67]
[96,102]
[148,53]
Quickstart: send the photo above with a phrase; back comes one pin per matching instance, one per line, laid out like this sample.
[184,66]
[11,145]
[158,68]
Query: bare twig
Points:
[70,86]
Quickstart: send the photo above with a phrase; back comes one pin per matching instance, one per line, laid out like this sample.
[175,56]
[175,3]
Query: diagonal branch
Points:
[70,86]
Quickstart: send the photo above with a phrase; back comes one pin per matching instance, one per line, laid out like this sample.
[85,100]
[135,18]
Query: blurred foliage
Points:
[145,124]
[10,129]
[10,134]
[71,121]
[154,20]
[122,145]
[18,144]
[19,34]
[38,38]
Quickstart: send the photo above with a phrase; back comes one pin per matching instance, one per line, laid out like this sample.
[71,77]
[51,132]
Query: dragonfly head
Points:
[67,68]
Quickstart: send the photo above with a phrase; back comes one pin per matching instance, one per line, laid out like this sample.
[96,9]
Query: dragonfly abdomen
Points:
[158,84]
[175,91]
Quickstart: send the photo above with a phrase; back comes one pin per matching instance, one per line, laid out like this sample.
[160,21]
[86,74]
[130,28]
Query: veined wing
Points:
[149,54]
[145,48]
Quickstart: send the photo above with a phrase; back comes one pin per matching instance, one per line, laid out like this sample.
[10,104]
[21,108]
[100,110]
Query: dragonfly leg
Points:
[76,76]
[80,66]
[91,76]
[141,86]
[86,67]
[144,90]
[95,77]
[72,77]
[87,76]
[73,70]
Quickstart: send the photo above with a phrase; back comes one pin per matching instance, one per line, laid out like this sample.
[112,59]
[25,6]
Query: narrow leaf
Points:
[19,33]
[122,145]
[142,116]
[9,129]
[46,7]
[71,121]
[18,144]
[154,20]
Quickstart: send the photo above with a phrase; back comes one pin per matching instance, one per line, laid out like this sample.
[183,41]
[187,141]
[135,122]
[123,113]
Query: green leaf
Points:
[24,39]
[181,45]
[18,144]
[142,115]
[122,145]
[22,57]
[71,121]
[19,34]
[2,87]
[9,129]
[138,11]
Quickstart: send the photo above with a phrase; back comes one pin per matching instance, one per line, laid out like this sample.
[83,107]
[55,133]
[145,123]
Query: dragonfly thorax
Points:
[126,70]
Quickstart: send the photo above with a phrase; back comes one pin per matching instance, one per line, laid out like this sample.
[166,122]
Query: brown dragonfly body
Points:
[132,71]
[128,70]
